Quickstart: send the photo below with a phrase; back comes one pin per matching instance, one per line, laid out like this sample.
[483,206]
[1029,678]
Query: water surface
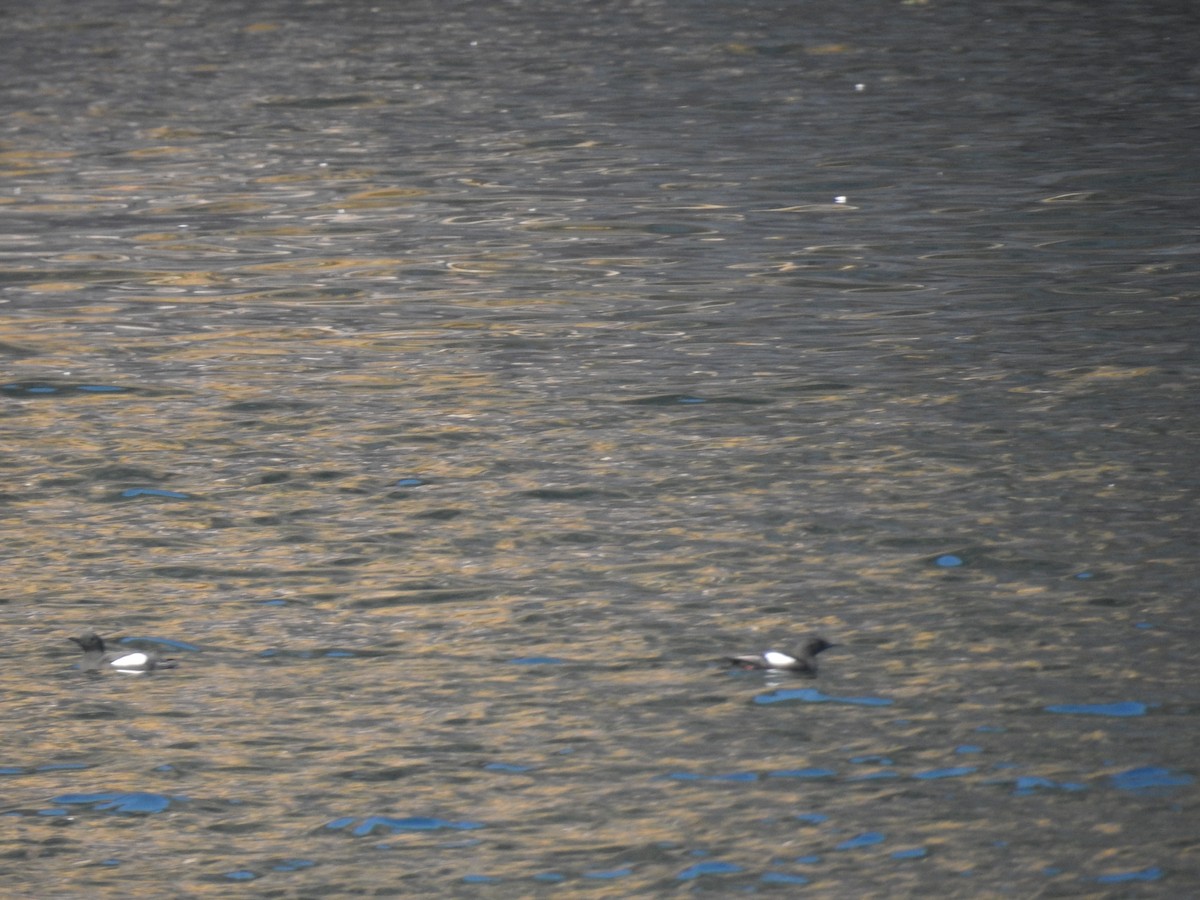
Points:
[449,385]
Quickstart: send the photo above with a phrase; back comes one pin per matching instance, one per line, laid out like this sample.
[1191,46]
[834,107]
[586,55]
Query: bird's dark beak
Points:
[76,640]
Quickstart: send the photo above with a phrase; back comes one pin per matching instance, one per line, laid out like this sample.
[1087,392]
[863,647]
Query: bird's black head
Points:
[89,642]
[815,645]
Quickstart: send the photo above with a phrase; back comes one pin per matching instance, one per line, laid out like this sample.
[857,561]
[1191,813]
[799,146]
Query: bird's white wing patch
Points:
[131,661]
[777,659]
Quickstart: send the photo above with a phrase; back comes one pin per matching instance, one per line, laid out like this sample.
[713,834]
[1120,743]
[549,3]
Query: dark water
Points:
[449,384]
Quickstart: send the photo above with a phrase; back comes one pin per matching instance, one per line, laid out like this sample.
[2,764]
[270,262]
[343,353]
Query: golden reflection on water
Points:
[482,453]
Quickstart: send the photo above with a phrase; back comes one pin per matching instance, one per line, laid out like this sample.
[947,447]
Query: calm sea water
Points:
[449,385]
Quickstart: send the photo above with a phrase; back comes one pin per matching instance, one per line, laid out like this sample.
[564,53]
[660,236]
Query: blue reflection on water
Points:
[812,818]
[914,853]
[802,773]
[241,875]
[537,661]
[1128,708]
[1152,874]
[951,772]
[25,387]
[506,767]
[665,400]
[30,388]
[160,642]
[812,695]
[1150,779]
[1031,784]
[46,767]
[866,839]
[292,865]
[728,776]
[783,878]
[155,492]
[710,867]
[371,824]
[134,802]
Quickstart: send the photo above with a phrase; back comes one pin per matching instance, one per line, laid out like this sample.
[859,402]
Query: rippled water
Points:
[448,386]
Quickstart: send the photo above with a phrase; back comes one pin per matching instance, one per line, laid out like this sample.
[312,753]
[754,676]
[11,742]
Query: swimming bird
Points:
[803,663]
[94,657]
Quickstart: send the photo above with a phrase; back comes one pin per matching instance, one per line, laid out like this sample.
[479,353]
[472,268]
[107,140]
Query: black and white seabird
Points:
[95,657]
[803,663]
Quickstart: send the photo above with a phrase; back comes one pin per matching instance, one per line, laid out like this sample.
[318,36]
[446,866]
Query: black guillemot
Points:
[95,657]
[803,663]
